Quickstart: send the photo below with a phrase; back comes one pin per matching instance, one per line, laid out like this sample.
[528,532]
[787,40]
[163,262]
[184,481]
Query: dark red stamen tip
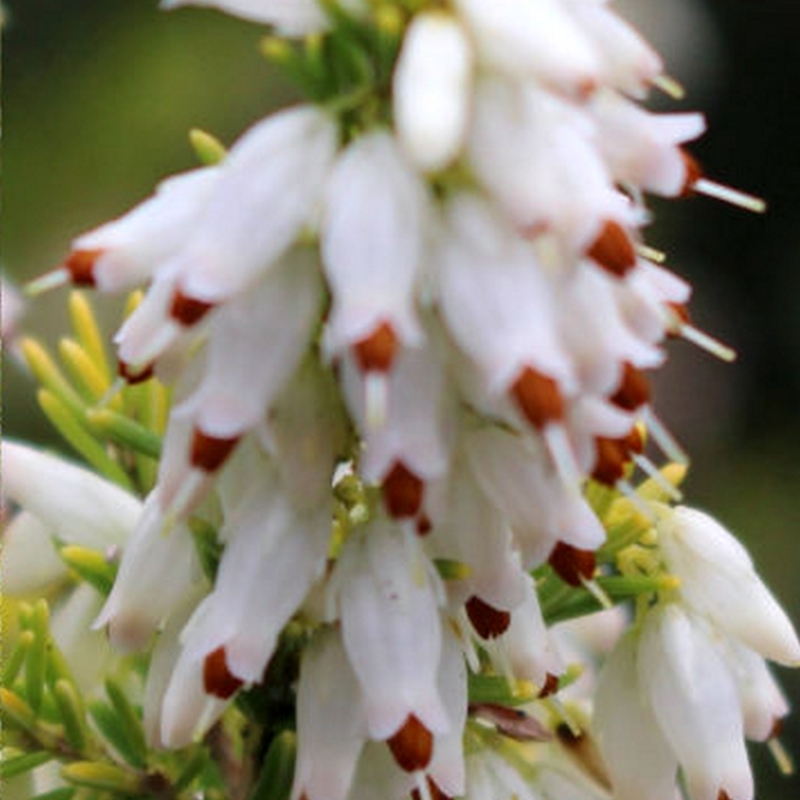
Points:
[613,455]
[489,622]
[613,249]
[634,389]
[209,453]
[550,686]
[424,525]
[187,310]
[217,678]
[412,745]
[693,173]
[433,789]
[402,491]
[376,352]
[572,565]
[80,265]
[538,397]
[132,376]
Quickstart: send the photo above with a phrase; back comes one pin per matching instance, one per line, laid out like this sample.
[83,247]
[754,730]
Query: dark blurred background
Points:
[98,96]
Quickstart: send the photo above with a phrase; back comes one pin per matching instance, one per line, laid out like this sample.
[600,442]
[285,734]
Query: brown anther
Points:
[424,525]
[693,173]
[80,265]
[377,352]
[187,310]
[217,678]
[402,491]
[723,795]
[613,249]
[132,376]
[412,745]
[572,565]
[681,314]
[633,441]
[538,397]
[550,682]
[209,453]
[777,728]
[433,789]
[611,458]
[489,622]
[634,389]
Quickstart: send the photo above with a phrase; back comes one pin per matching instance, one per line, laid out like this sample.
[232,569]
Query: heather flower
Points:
[407,325]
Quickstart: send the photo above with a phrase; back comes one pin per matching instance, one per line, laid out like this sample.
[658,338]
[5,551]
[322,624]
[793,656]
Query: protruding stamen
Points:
[613,249]
[402,492]
[730,196]
[376,352]
[131,375]
[560,449]
[217,678]
[488,622]
[188,311]
[424,525]
[634,389]
[651,253]
[663,438]
[209,453]
[117,385]
[47,282]
[571,564]
[596,590]
[433,790]
[636,500]
[538,397]
[669,86]
[781,756]
[652,471]
[412,745]
[376,399]
[697,183]
[707,343]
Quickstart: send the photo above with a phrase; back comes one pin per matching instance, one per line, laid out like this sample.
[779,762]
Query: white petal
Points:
[718,580]
[77,505]
[431,90]
[392,628]
[29,560]
[290,17]
[695,700]
[372,240]
[158,569]
[269,189]
[639,759]
[331,723]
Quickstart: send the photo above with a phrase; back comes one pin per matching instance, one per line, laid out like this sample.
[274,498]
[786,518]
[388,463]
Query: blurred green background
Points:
[98,96]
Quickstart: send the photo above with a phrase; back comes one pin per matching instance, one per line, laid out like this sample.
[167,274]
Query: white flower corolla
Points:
[289,17]
[695,701]
[268,189]
[124,252]
[533,41]
[331,721]
[29,561]
[389,599]
[719,582]
[158,569]
[431,90]
[372,242]
[76,505]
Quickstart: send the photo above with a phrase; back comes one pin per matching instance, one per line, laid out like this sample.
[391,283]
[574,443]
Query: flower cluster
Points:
[406,327]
